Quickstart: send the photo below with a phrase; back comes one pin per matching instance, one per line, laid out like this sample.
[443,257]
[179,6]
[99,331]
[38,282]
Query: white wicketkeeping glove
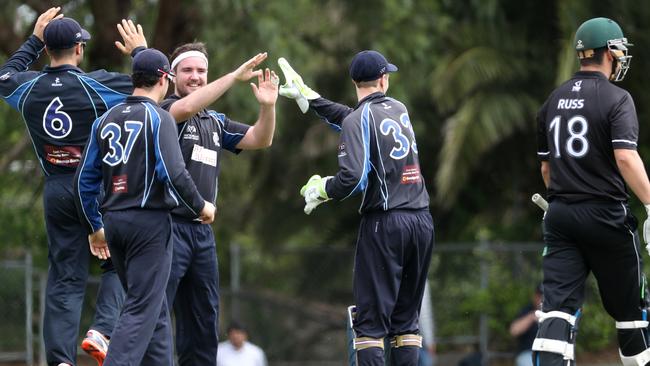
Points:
[314,192]
[294,87]
[646,228]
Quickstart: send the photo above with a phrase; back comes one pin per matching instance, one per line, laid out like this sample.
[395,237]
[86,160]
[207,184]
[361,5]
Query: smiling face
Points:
[191,74]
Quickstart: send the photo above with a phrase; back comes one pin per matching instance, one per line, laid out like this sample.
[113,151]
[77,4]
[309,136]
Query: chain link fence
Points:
[293,302]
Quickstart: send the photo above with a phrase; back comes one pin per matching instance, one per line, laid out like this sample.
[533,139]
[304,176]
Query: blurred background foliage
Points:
[472,73]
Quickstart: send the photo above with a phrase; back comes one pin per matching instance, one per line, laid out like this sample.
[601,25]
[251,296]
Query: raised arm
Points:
[260,135]
[201,98]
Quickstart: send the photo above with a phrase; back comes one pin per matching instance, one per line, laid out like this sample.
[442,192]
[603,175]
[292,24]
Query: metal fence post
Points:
[235,273]
[483,322]
[29,309]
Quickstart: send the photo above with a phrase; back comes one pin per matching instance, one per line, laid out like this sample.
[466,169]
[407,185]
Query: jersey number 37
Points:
[119,153]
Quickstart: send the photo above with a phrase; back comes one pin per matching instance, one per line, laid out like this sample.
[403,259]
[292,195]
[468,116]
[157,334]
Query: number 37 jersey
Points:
[578,128]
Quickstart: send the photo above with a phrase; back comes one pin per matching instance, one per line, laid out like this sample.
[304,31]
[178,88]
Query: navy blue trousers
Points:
[390,270]
[141,248]
[193,293]
[68,260]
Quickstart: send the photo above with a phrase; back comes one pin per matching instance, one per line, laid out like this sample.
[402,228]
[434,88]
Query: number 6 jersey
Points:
[58,104]
[579,126]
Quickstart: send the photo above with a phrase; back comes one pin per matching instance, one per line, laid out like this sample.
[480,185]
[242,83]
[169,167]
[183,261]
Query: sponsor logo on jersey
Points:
[342,152]
[411,174]
[57,82]
[577,86]
[190,134]
[215,138]
[5,76]
[127,109]
[120,184]
[570,104]
[386,106]
[204,155]
[68,156]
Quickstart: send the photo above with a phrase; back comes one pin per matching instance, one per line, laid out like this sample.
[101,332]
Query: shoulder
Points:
[103,76]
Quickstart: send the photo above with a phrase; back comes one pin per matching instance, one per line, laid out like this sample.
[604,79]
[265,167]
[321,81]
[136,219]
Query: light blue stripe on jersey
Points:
[333,126]
[383,186]
[89,180]
[14,99]
[365,136]
[161,168]
[108,95]
[83,85]
[147,184]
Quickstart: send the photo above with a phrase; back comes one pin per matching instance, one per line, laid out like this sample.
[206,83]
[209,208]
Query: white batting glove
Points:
[646,228]
[294,87]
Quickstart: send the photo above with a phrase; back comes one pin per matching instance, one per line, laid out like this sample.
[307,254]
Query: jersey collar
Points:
[589,74]
[374,95]
[61,68]
[139,99]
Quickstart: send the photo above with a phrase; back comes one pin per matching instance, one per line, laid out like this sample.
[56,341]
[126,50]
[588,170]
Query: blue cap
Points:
[64,33]
[152,62]
[369,65]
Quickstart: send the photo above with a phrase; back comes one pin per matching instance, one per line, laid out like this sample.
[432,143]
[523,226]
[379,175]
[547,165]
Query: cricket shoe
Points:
[96,345]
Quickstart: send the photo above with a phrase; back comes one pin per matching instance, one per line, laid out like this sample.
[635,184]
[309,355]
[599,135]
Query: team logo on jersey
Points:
[5,76]
[215,138]
[191,129]
[57,82]
[577,86]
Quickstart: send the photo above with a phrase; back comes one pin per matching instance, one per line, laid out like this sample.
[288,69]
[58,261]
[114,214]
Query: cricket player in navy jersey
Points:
[378,157]
[133,152]
[193,288]
[587,143]
[58,105]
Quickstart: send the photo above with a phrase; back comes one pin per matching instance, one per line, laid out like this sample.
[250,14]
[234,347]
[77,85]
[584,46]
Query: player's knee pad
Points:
[554,344]
[406,340]
[632,342]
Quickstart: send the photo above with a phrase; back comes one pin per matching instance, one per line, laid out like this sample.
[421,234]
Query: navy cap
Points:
[369,65]
[64,33]
[152,62]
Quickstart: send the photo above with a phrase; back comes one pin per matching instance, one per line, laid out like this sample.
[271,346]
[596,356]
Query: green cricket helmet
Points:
[603,32]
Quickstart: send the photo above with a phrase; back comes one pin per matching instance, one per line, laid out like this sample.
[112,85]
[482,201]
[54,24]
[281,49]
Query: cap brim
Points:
[85,36]
[391,68]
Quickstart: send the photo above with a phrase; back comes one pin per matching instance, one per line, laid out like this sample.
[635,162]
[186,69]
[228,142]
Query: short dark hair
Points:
[60,53]
[144,80]
[366,84]
[235,325]
[194,46]
[596,58]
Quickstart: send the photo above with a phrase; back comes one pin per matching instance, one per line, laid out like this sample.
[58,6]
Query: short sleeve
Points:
[624,124]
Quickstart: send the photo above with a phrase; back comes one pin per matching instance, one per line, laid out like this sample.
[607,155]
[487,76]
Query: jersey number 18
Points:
[576,144]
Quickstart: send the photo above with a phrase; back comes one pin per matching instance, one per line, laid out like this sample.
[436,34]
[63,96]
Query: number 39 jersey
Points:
[579,126]
[378,157]
[58,104]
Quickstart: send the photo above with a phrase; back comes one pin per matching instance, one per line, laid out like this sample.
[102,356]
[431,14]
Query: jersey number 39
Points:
[119,153]
[576,144]
[402,141]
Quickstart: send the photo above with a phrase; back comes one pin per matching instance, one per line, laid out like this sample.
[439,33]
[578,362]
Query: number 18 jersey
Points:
[578,128]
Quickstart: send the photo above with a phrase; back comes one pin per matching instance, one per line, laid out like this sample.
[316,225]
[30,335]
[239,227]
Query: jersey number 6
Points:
[56,123]
[119,153]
